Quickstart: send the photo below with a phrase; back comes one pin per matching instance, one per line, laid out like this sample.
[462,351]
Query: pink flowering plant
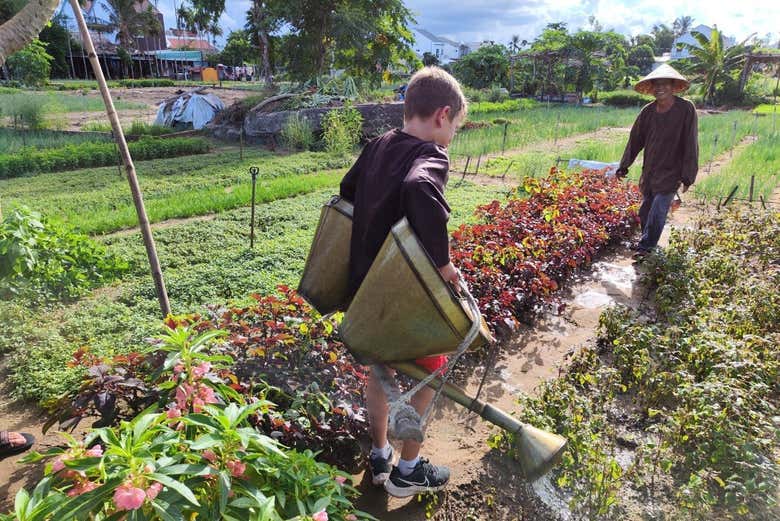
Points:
[196,455]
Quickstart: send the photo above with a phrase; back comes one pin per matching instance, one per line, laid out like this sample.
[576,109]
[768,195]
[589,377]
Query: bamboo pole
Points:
[127,161]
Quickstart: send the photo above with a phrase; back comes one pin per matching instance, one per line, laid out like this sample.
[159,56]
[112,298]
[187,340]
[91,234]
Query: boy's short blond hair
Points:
[432,88]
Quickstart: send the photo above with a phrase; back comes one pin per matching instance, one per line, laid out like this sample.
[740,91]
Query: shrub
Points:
[154,82]
[31,65]
[624,98]
[192,454]
[141,128]
[26,110]
[70,157]
[297,133]
[44,261]
[341,129]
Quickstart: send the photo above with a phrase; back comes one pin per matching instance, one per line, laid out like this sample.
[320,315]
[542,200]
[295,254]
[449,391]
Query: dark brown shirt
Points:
[670,141]
[397,175]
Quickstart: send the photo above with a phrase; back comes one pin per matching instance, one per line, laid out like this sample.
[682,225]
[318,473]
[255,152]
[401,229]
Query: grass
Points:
[766,109]
[760,159]
[13,140]
[531,126]
[62,102]
[203,262]
[98,200]
[718,133]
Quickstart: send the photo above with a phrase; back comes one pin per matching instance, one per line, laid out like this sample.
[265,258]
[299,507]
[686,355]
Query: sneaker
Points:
[425,477]
[380,468]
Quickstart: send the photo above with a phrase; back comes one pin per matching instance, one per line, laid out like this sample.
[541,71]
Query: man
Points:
[667,130]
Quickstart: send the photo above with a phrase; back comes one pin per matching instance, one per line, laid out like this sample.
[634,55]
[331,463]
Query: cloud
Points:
[498,20]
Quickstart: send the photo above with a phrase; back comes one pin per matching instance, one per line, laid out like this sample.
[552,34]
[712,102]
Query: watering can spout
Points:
[536,451]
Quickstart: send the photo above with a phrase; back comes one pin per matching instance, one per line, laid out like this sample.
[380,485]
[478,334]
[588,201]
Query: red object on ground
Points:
[432,363]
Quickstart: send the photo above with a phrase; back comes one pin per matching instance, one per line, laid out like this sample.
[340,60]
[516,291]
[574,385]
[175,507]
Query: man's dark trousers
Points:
[652,216]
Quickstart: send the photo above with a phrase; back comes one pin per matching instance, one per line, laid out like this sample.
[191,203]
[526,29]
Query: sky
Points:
[497,20]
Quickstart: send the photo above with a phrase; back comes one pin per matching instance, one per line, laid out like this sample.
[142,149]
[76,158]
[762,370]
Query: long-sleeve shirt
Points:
[670,141]
[397,175]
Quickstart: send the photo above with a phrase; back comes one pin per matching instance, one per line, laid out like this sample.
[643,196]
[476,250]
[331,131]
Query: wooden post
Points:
[503,143]
[731,195]
[712,156]
[479,160]
[253,171]
[127,160]
[752,181]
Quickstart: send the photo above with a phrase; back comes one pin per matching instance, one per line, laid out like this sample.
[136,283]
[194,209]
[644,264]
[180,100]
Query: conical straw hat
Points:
[664,71]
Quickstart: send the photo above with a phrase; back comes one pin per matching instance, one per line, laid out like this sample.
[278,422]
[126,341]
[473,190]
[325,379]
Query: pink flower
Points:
[197,404]
[209,455]
[153,490]
[340,480]
[201,370]
[82,487]
[177,369]
[128,497]
[95,452]
[206,394]
[320,516]
[173,412]
[58,464]
[236,467]
[183,392]
[350,517]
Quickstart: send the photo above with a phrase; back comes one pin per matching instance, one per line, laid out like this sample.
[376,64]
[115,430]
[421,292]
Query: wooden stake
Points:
[752,181]
[127,161]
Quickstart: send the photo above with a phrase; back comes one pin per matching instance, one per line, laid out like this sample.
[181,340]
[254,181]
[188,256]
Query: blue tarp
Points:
[196,57]
[594,165]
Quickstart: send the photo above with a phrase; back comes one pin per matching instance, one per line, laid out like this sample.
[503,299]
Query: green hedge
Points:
[84,155]
[157,82]
[624,98]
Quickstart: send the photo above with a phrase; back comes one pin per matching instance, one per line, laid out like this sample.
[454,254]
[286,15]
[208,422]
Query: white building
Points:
[706,30]
[444,49]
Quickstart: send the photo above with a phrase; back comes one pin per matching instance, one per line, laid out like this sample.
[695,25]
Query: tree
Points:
[664,38]
[56,37]
[362,36]
[682,25]
[129,21]
[642,58]
[263,19]
[429,59]
[238,49]
[710,62]
[201,16]
[25,26]
[31,65]
[485,67]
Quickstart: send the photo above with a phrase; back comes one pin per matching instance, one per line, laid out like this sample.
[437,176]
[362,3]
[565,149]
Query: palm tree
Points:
[682,25]
[710,62]
[130,19]
[262,20]
[25,26]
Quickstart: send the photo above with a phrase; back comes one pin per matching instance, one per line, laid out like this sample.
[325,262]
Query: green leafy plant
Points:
[199,457]
[31,65]
[341,129]
[82,155]
[297,133]
[44,261]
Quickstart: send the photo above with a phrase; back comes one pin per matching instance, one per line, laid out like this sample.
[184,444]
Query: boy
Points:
[403,173]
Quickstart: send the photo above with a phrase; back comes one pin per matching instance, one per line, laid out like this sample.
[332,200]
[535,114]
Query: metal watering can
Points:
[402,311]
